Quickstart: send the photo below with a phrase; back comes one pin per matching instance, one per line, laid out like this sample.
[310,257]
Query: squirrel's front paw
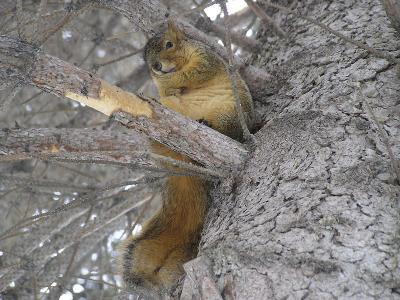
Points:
[204,122]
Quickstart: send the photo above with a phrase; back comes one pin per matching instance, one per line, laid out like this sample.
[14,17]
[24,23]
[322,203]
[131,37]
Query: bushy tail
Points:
[154,258]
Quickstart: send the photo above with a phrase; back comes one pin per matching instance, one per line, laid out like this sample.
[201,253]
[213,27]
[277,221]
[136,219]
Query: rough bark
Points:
[88,146]
[316,212]
[28,142]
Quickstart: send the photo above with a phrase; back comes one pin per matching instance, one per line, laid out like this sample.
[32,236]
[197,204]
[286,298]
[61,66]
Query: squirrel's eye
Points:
[168,45]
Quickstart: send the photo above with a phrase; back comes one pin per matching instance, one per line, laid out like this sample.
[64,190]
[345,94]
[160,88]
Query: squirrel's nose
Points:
[157,66]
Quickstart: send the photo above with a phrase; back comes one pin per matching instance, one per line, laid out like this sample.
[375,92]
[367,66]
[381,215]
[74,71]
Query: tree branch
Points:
[28,142]
[42,255]
[88,146]
[22,62]
[228,45]
[265,18]
[242,40]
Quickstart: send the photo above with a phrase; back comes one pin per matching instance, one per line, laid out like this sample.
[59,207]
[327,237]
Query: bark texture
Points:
[27,142]
[316,212]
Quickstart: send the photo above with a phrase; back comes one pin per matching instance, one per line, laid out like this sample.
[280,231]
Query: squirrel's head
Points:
[165,53]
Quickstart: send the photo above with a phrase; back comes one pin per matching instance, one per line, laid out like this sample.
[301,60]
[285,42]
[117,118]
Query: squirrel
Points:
[194,81]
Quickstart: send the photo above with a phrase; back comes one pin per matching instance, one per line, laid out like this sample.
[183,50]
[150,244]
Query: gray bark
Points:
[26,142]
[315,214]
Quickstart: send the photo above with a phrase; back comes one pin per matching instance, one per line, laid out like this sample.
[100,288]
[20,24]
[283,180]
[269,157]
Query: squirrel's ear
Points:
[174,31]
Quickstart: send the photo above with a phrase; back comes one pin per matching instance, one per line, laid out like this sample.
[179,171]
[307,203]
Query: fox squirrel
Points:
[194,81]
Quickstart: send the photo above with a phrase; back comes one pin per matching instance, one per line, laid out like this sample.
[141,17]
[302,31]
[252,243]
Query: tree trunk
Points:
[315,213]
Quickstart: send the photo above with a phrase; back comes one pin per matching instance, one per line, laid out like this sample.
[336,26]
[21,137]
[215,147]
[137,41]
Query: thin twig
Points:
[64,21]
[138,218]
[220,31]
[49,32]
[114,213]
[237,38]
[119,58]
[188,12]
[31,98]
[82,201]
[99,281]
[371,50]
[48,15]
[199,8]
[10,191]
[79,172]
[208,173]
[237,18]
[9,96]
[232,74]
[36,24]
[119,35]
[19,17]
[24,182]
[63,280]
[384,137]
[187,168]
[265,19]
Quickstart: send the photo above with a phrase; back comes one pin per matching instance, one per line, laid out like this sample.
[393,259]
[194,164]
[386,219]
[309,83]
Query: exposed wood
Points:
[58,77]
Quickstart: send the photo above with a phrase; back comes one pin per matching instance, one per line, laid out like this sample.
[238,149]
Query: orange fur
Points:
[195,82]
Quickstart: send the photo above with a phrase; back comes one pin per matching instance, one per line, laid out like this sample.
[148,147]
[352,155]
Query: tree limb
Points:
[23,62]
[28,142]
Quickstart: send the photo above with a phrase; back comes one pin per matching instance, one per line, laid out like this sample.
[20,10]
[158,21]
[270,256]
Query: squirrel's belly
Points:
[200,102]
